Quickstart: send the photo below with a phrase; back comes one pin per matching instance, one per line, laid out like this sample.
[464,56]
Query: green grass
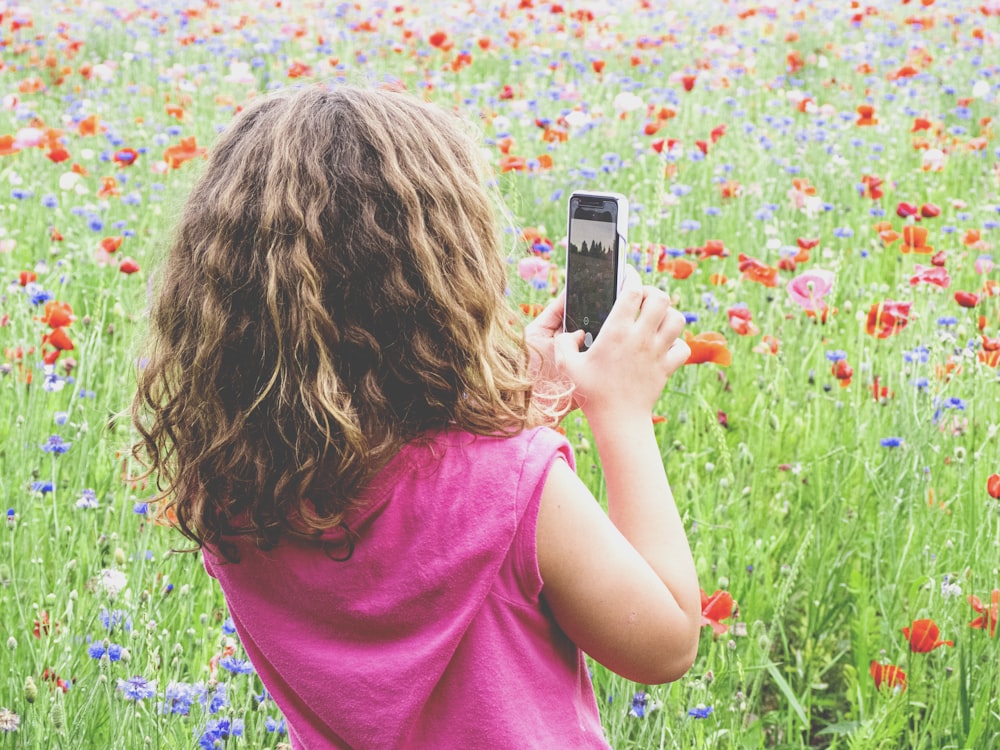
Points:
[829,542]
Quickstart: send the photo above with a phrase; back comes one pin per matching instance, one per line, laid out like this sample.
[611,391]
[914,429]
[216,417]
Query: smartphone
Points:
[595,259]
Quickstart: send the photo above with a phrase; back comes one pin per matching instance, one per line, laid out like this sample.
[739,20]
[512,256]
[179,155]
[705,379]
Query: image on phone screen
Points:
[591,263]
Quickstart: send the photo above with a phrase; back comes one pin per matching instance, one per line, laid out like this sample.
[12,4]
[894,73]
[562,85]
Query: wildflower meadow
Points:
[817,185]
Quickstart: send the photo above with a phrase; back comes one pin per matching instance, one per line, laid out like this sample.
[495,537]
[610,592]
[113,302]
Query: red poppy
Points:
[756,270]
[930,211]
[866,115]
[58,314]
[842,372]
[920,123]
[110,244]
[935,275]
[888,675]
[887,318]
[59,339]
[128,266]
[714,608]
[712,248]
[872,186]
[967,299]
[687,81]
[988,615]
[109,188]
[299,69]
[184,151]
[740,320]
[511,163]
[923,636]
[708,347]
[679,268]
[993,486]
[441,40]
[915,240]
[57,154]
[26,277]
[90,126]
[125,157]
[905,210]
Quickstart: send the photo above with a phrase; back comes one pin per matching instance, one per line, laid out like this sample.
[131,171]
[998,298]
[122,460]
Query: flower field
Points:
[817,185]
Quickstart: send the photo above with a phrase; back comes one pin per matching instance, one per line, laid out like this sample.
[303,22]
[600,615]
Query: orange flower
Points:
[59,339]
[923,636]
[756,270]
[713,248]
[866,115]
[887,318]
[718,606]
[988,615]
[184,151]
[679,268]
[90,126]
[915,240]
[512,163]
[58,314]
[7,146]
[110,244]
[993,486]
[708,347]
[888,675]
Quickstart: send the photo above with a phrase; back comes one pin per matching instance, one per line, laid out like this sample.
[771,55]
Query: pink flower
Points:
[935,275]
[808,289]
[984,264]
[534,270]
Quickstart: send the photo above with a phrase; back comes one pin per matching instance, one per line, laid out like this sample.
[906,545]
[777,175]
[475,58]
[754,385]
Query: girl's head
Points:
[335,288]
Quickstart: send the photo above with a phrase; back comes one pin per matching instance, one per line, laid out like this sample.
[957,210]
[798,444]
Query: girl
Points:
[344,418]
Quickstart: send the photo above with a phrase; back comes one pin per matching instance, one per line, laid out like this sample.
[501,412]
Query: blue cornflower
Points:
[921,382]
[891,442]
[275,725]
[218,730]
[137,688]
[236,666]
[55,444]
[954,403]
[690,317]
[60,417]
[690,225]
[39,296]
[219,699]
[113,651]
[836,355]
[228,628]
[43,487]
[180,696]
[111,619]
[700,711]
[87,499]
[947,320]
[638,708]
[141,508]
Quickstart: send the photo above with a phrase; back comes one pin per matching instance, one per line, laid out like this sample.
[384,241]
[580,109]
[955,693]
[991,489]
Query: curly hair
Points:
[335,288]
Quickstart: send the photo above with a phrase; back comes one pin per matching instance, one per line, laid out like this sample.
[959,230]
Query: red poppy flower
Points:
[26,277]
[842,372]
[708,347]
[993,486]
[888,675]
[756,270]
[57,154]
[866,115]
[714,608]
[679,268]
[923,636]
[905,210]
[929,210]
[128,266]
[988,615]
[58,314]
[872,186]
[935,275]
[712,248]
[110,244]
[59,339]
[915,240]
[126,157]
[184,151]
[967,299]
[740,320]
[887,318]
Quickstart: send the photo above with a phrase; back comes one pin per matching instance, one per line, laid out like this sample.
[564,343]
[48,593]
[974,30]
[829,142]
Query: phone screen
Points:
[591,263]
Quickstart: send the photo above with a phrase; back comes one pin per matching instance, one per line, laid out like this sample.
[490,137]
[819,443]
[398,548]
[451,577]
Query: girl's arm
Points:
[622,586]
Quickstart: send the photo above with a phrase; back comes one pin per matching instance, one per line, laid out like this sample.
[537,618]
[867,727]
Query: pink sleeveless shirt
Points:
[432,634]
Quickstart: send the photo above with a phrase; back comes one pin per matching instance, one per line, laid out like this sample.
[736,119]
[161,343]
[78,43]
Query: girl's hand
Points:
[541,335]
[623,373]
